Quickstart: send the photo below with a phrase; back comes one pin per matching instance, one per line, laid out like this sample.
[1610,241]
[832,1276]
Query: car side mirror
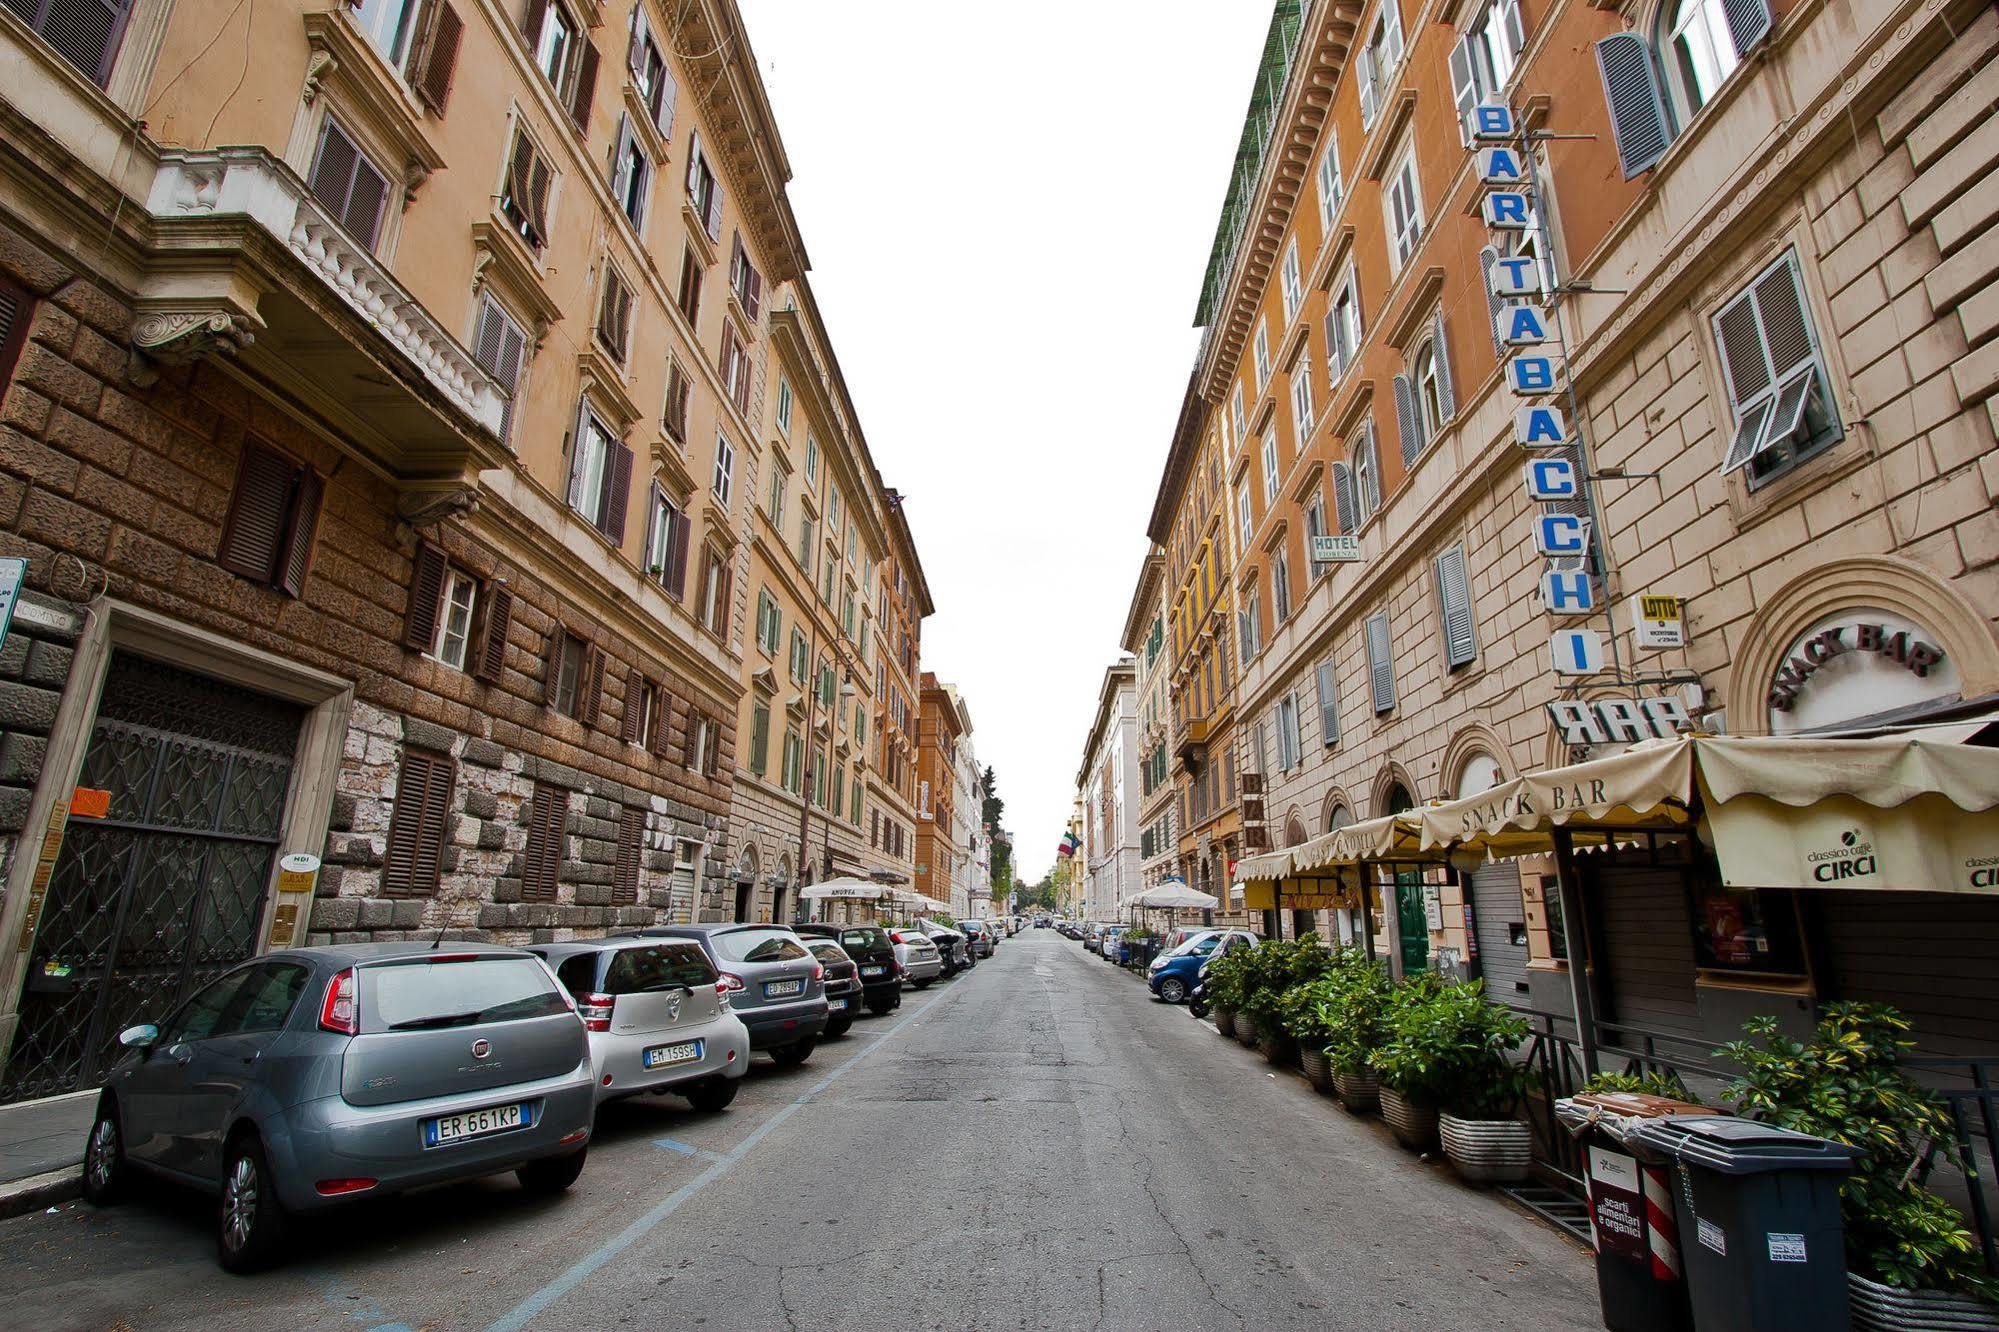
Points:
[140,1037]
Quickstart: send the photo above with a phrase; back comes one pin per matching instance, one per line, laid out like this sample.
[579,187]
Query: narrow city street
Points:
[1035,1145]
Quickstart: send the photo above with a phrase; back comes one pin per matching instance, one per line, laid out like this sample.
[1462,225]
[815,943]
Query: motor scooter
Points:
[1197,998]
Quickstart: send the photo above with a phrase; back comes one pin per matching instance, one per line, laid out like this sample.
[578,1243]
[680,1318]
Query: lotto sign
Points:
[1576,651]
[1658,622]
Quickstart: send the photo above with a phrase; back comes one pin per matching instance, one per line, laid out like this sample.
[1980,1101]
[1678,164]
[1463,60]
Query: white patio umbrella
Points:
[1175,897]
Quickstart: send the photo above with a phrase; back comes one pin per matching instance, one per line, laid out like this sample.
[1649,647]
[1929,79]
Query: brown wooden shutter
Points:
[590,686]
[417,826]
[690,757]
[440,57]
[635,704]
[254,532]
[712,760]
[295,555]
[625,872]
[17,311]
[586,88]
[489,658]
[541,863]
[621,494]
[426,597]
[662,720]
[540,177]
[724,590]
[532,18]
[676,556]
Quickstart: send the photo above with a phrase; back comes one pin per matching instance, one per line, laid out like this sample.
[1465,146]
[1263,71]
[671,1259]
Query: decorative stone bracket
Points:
[181,337]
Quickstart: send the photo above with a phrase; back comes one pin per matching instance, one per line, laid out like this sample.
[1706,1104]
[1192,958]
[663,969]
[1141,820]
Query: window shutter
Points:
[1405,420]
[1780,304]
[17,311]
[586,87]
[590,686]
[690,756]
[491,657]
[1464,87]
[634,705]
[1748,22]
[724,590]
[583,424]
[621,494]
[1391,15]
[1368,91]
[711,761]
[1742,349]
[1447,394]
[426,595]
[693,162]
[415,853]
[675,579]
[625,874]
[541,863]
[669,92]
[635,48]
[440,57]
[1343,498]
[1454,598]
[662,719]
[295,556]
[756,295]
[364,206]
[332,179]
[1637,111]
[532,18]
[540,177]
[255,530]
[1516,30]
[1329,704]
[1487,258]
[1380,664]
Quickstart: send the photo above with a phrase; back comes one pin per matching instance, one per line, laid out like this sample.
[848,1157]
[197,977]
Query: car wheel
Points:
[923,984]
[713,1097]
[838,1027]
[552,1174]
[791,1056]
[1173,990]
[105,1170]
[250,1222]
[881,1004]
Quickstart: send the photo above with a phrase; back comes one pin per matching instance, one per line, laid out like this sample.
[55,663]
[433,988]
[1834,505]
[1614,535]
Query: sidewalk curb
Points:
[18,1197]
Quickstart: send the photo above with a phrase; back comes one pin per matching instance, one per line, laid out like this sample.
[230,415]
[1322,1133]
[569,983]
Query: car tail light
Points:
[595,1010]
[729,983]
[578,1136]
[333,1188]
[818,972]
[341,1009]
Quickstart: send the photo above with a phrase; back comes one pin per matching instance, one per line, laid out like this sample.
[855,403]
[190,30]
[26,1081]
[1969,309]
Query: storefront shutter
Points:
[491,657]
[1406,423]
[426,595]
[1748,22]
[1454,596]
[1498,917]
[1637,110]
[1380,662]
[440,57]
[1343,498]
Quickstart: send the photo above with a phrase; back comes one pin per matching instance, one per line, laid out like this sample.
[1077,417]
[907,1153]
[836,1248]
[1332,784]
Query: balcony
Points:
[245,264]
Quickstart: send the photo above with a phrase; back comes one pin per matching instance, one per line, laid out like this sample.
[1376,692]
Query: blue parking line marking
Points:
[673,1145]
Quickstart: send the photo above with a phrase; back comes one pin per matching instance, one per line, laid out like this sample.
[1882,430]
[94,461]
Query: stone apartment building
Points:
[1145,638]
[902,604]
[378,428]
[938,851]
[1761,239]
[1108,781]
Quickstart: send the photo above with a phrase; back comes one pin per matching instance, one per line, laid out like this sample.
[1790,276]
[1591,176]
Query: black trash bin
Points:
[1640,1282]
[1759,1212]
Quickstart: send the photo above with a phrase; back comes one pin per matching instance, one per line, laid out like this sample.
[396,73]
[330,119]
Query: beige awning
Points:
[1647,787]
[1269,865]
[1390,837]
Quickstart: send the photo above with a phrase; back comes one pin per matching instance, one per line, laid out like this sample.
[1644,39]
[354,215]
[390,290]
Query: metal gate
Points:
[168,888]
[1501,922]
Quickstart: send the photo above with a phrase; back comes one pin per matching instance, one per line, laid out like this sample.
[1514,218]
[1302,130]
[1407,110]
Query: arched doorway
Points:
[746,883]
[1411,919]
[780,884]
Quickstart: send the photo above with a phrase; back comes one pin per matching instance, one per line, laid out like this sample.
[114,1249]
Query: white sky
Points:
[1008,209]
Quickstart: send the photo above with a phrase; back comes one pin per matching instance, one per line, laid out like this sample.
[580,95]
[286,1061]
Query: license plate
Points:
[842,1004]
[871,971]
[475,1123]
[772,989]
[664,1056]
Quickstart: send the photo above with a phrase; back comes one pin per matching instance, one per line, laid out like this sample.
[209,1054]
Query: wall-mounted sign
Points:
[13,572]
[1540,427]
[1523,325]
[1611,721]
[1339,548]
[1567,592]
[1658,622]
[1552,479]
[1561,534]
[1576,651]
[297,872]
[1859,664]
[45,868]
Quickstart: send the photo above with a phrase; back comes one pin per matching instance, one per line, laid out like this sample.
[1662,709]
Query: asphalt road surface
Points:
[1035,1145]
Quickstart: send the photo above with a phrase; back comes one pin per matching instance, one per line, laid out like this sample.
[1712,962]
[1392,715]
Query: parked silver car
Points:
[658,1018]
[773,982]
[978,937]
[918,957]
[316,1076]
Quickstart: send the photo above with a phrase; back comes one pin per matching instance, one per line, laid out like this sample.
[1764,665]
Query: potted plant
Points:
[1354,1013]
[1225,975]
[1412,1068]
[1467,1042]
[1281,965]
[1303,1010]
[1910,1261]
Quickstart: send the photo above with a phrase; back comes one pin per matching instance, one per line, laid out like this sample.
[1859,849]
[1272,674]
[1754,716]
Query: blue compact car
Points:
[1172,973]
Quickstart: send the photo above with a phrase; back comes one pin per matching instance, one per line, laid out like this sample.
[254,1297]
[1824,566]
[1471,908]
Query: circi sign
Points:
[297,871]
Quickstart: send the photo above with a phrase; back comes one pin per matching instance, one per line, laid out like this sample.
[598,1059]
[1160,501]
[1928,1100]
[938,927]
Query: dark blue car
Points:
[1172,973]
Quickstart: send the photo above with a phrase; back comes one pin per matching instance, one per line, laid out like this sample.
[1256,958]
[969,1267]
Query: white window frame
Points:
[725,469]
[1332,185]
[1244,517]
[1294,282]
[1402,208]
[1270,466]
[1262,354]
[1345,328]
[631,175]
[1302,418]
[784,407]
[455,617]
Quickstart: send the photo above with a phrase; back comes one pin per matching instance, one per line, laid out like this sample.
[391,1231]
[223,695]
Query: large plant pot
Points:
[1318,1069]
[1359,1093]
[1279,1050]
[1225,1022]
[1488,1151]
[1414,1122]
[1879,1308]
[1245,1030]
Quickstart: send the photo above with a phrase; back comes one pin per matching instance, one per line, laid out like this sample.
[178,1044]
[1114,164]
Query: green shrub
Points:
[1275,967]
[1354,1012]
[1227,976]
[1448,1045]
[1847,1084]
[1665,1084]
[1302,1010]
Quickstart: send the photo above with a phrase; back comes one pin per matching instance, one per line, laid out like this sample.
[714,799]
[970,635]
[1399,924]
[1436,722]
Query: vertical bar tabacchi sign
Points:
[45,868]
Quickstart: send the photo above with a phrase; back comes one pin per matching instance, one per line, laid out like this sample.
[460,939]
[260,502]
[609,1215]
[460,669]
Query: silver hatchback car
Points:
[657,1017]
[773,983]
[316,1076]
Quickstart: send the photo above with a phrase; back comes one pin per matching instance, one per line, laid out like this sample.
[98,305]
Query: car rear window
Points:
[827,951]
[664,966]
[862,938]
[408,996]
[759,946]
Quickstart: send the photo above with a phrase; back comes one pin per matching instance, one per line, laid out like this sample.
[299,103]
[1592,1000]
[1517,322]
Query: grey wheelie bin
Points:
[1759,1221]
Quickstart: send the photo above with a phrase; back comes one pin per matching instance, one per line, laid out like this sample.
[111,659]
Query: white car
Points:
[920,961]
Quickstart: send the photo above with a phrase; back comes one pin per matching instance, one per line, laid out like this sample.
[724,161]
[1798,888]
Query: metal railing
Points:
[1967,1088]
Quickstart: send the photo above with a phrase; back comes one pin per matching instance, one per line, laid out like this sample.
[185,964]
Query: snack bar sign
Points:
[1534,375]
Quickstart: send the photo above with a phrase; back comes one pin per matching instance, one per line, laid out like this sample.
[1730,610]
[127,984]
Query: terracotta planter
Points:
[1279,1050]
[1225,1022]
[1879,1308]
[1318,1069]
[1488,1151]
[1415,1123]
[1360,1093]
[1245,1030]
